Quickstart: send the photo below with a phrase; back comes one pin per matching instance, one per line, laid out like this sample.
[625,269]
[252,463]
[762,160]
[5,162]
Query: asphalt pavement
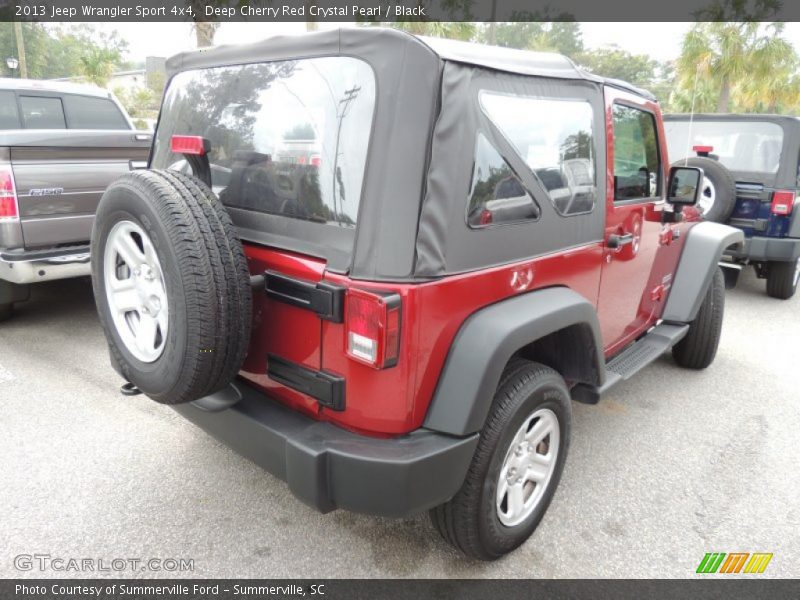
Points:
[670,465]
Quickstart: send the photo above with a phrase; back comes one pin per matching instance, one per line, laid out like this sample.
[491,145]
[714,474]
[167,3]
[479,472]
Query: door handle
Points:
[619,240]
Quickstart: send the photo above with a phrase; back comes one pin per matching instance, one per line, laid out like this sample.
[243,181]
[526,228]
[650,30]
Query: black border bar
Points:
[397,10]
[752,588]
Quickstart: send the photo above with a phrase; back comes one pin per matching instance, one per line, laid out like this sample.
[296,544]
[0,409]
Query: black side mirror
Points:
[683,188]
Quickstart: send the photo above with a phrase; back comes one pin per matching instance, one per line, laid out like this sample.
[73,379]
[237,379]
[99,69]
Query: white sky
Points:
[660,40]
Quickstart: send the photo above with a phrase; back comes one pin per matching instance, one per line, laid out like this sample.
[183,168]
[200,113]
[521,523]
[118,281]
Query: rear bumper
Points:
[328,467]
[765,248]
[33,266]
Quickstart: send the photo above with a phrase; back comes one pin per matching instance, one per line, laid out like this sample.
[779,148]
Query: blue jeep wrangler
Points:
[752,181]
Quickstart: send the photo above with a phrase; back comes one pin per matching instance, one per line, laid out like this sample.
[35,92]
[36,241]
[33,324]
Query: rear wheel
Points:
[698,349]
[516,467]
[782,279]
[171,285]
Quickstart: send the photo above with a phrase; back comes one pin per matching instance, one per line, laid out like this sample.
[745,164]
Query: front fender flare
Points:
[486,342]
[702,250]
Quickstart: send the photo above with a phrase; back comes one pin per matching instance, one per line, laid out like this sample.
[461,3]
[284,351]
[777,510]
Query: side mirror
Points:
[683,187]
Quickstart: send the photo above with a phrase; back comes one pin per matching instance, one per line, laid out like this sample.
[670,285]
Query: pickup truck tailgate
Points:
[61,175]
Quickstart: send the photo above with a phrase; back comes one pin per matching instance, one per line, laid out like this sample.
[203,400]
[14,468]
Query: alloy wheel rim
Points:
[135,291]
[528,467]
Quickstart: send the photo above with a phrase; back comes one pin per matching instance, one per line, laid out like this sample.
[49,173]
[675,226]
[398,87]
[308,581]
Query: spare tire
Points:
[171,285]
[718,196]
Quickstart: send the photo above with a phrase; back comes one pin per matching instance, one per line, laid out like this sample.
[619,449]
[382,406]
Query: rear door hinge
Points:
[324,298]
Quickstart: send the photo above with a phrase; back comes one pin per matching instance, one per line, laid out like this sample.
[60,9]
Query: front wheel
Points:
[782,279]
[516,467]
[698,349]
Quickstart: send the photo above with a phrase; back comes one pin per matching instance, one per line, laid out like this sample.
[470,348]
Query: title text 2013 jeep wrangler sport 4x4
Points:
[442,245]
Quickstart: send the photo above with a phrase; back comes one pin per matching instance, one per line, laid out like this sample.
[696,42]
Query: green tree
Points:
[445,29]
[722,56]
[614,62]
[528,33]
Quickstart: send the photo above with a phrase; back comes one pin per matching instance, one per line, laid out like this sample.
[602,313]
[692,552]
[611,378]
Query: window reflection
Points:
[636,163]
[497,195]
[287,138]
[555,139]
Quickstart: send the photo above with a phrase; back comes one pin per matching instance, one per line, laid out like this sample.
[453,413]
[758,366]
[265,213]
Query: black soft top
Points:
[383,41]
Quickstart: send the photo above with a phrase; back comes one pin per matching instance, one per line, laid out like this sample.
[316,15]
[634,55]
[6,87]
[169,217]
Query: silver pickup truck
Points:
[61,144]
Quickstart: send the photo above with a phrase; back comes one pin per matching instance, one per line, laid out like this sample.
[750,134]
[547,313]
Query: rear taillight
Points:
[372,325]
[782,202]
[316,160]
[9,208]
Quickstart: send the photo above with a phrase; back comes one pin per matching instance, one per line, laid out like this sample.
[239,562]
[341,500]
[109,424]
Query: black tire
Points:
[205,277]
[724,187]
[470,520]
[698,349]
[782,279]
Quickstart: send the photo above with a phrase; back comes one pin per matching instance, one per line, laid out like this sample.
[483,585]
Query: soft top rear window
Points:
[744,146]
[288,139]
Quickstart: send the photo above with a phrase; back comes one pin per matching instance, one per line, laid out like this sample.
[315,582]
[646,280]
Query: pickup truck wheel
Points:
[698,349]
[782,279]
[171,285]
[718,194]
[516,467]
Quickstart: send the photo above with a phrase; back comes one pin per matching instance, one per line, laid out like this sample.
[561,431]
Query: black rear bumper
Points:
[328,467]
[767,249]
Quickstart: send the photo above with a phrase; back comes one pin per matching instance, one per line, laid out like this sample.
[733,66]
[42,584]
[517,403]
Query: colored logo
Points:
[735,562]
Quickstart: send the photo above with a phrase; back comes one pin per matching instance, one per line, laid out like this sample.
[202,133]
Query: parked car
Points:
[60,146]
[395,354]
[752,181]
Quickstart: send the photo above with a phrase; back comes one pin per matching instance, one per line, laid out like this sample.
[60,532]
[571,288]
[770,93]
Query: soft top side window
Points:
[637,162]
[497,195]
[555,138]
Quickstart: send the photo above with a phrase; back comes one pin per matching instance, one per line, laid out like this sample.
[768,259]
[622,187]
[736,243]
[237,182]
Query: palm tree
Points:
[204,31]
[725,54]
[97,65]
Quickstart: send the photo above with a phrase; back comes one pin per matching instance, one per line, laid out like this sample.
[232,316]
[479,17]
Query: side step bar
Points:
[632,360]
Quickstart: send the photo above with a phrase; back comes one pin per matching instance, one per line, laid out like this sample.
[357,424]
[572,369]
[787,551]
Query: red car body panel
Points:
[629,287]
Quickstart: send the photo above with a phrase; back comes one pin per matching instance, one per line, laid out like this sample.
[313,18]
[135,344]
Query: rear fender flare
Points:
[490,337]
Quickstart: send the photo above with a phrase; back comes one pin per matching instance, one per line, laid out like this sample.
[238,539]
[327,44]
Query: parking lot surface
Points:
[670,465]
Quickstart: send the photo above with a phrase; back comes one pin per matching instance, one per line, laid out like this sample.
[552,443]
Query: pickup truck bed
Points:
[58,177]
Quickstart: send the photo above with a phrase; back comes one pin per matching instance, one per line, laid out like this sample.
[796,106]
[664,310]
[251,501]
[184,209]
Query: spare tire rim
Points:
[708,194]
[135,290]
[528,467]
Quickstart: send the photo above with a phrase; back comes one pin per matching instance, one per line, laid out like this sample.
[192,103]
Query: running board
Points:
[632,360]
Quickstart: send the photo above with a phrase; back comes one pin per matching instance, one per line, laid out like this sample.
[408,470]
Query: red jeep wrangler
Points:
[442,244]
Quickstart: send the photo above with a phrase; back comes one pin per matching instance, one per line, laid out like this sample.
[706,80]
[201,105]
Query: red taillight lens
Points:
[486,217]
[703,150]
[782,202]
[316,160]
[372,325]
[8,195]
[188,144]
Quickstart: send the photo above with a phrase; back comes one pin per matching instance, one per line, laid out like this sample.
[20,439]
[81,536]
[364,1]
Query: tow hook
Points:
[128,389]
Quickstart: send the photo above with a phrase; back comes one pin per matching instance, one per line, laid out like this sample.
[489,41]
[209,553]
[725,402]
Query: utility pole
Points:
[23,64]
